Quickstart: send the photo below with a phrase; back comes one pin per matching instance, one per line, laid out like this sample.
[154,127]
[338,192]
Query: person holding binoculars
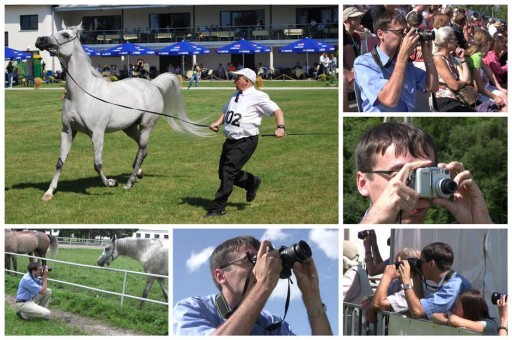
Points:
[246,272]
[397,172]
[33,295]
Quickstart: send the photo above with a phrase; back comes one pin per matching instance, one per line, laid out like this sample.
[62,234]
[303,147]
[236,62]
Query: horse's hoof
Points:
[47,197]
[112,183]
[140,174]
[127,187]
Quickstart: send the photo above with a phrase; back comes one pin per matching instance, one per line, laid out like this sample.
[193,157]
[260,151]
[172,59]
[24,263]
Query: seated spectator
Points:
[220,72]
[355,280]
[471,312]
[492,59]
[460,28]
[390,294]
[453,76]
[262,71]
[384,77]
[474,55]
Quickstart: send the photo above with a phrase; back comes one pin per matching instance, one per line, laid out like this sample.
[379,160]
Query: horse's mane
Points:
[134,245]
[86,60]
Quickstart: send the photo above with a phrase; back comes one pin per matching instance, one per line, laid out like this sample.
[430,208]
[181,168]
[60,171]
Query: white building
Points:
[162,234]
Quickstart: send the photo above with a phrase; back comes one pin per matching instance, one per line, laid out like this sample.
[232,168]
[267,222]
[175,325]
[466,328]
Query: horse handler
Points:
[241,118]
[33,295]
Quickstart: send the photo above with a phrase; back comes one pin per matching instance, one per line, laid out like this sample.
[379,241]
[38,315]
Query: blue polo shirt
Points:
[199,316]
[371,78]
[28,288]
[443,300]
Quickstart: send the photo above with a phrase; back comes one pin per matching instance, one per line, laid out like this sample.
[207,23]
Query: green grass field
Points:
[152,319]
[300,173]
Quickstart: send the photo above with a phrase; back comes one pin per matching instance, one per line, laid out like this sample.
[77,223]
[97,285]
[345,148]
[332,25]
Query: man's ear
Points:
[362,184]
[219,276]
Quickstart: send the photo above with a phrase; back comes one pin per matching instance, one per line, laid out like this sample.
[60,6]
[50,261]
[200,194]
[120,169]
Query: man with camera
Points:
[385,77]
[34,295]
[435,265]
[395,163]
[246,272]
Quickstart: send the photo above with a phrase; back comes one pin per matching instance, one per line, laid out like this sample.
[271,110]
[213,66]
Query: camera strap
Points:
[376,58]
[225,312]
[447,278]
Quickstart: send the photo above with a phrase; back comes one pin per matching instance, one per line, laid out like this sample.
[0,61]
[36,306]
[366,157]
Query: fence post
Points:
[124,287]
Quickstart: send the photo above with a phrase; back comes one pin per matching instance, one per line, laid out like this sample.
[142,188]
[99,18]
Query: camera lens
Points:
[299,252]
[447,186]
[495,297]
[426,35]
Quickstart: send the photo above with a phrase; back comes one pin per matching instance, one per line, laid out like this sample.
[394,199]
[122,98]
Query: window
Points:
[147,235]
[326,15]
[170,22]
[166,237]
[137,235]
[28,22]
[242,18]
[157,235]
[102,23]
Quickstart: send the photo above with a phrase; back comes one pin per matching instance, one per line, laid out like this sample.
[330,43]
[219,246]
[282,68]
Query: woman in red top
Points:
[492,59]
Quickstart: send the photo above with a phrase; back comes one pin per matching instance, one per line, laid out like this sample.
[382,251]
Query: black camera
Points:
[496,296]
[46,267]
[299,252]
[363,234]
[414,263]
[425,35]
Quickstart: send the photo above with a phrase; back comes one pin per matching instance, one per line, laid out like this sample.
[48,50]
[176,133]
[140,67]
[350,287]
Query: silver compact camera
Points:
[432,182]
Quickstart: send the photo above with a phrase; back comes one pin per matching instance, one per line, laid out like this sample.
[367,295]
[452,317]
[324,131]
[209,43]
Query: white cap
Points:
[248,73]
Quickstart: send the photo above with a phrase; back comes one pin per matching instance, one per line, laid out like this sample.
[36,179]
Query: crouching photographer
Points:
[33,295]
[246,272]
[397,171]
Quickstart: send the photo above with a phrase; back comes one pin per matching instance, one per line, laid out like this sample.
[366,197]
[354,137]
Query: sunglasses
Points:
[248,257]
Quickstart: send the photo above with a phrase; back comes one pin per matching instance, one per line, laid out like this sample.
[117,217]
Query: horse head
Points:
[109,253]
[61,43]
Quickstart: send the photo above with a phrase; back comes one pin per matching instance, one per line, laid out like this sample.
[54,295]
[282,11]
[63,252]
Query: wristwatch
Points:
[406,286]
[281,126]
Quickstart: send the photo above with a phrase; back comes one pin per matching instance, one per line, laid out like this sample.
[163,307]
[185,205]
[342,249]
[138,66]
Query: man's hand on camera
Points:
[268,266]
[391,272]
[307,276]
[396,197]
[408,45]
[405,272]
[468,204]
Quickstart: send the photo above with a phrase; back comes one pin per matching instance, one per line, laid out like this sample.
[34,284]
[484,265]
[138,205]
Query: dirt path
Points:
[88,325]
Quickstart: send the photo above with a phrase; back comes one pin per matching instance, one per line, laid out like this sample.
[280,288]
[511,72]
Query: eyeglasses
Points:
[390,173]
[248,257]
[399,32]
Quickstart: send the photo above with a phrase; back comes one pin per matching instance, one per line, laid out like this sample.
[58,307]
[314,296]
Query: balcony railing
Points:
[227,33]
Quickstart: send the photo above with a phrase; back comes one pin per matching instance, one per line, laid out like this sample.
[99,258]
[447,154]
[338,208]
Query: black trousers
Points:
[235,153]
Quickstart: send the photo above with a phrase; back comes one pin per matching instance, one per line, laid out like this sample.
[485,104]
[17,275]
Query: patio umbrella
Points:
[183,48]
[127,49]
[15,54]
[307,45]
[91,51]
[243,47]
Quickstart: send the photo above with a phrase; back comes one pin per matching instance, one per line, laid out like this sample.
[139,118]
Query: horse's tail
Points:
[169,87]
[54,245]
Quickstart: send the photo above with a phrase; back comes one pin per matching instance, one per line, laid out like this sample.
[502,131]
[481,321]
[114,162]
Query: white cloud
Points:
[327,241]
[196,260]
[275,235]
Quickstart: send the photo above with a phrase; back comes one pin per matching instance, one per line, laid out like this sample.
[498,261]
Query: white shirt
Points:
[324,61]
[242,119]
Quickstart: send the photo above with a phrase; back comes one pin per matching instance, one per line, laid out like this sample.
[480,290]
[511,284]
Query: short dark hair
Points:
[386,18]
[406,137]
[223,253]
[441,253]
[474,307]
[32,266]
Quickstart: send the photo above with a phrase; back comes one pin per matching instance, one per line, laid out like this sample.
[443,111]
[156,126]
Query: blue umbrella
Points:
[127,49]
[11,53]
[183,48]
[307,45]
[243,47]
[91,51]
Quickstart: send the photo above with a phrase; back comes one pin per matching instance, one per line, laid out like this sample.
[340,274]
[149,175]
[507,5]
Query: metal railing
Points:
[125,280]
[211,33]
[82,242]
[388,323]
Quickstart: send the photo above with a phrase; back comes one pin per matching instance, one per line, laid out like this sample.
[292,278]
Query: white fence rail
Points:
[122,294]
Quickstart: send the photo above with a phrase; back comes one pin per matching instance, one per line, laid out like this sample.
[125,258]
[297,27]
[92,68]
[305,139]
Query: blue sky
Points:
[191,274]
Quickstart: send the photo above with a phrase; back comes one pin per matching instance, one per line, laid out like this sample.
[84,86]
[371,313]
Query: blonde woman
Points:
[480,72]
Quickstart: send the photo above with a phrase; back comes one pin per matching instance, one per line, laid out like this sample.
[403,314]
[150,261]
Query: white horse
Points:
[151,253]
[132,105]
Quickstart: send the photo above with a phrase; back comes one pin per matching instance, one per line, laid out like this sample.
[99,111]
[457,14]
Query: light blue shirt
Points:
[199,316]
[443,300]
[370,78]
[28,288]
